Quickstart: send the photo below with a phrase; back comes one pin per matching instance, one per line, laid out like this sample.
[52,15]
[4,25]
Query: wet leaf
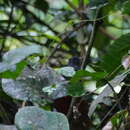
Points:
[34,118]
[28,86]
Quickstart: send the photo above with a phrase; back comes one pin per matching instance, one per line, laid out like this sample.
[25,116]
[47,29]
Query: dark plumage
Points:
[75,62]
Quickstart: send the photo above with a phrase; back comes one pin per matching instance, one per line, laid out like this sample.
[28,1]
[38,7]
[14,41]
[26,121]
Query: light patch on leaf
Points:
[126,62]
[108,126]
[67,71]
[49,89]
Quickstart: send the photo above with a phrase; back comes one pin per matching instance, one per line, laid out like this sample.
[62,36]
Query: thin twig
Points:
[73,7]
[7,30]
[81,3]
[71,107]
[114,72]
[113,107]
[87,55]
[63,40]
[17,22]
[10,17]
[111,88]
[90,44]
[115,95]
[41,21]
[102,30]
[98,19]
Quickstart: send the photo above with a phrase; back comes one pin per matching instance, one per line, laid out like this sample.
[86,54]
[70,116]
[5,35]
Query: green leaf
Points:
[35,118]
[86,1]
[90,75]
[112,59]
[67,71]
[14,73]
[76,89]
[13,57]
[51,37]
[126,8]
[75,2]
[117,118]
[42,5]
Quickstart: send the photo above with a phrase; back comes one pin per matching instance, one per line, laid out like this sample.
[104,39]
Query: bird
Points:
[75,62]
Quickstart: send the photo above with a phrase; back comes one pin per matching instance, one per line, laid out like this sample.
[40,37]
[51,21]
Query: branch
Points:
[7,30]
[113,107]
[41,22]
[102,30]
[114,93]
[81,3]
[74,8]
[73,101]
[90,44]
[84,63]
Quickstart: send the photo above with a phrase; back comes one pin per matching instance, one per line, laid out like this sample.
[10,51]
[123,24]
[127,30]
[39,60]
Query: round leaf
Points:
[34,118]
